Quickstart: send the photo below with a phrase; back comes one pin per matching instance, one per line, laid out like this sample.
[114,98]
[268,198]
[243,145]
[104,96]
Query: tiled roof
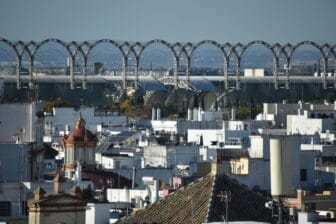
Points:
[187,205]
[80,134]
[101,179]
[245,205]
[202,202]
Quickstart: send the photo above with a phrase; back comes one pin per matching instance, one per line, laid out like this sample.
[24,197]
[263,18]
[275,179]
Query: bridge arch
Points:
[27,46]
[60,42]
[332,51]
[159,41]
[263,43]
[274,62]
[215,47]
[109,41]
[311,43]
[322,54]
[18,58]
[37,48]
[11,46]
[211,42]
[79,49]
[181,50]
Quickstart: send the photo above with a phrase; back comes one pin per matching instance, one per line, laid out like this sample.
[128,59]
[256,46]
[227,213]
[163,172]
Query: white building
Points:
[176,157]
[259,162]
[168,126]
[208,136]
[139,197]
[62,119]
[97,213]
[21,122]
[254,72]
[310,122]
[277,112]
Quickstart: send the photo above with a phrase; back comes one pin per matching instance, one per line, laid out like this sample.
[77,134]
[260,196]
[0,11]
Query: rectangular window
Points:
[24,208]
[5,208]
[303,175]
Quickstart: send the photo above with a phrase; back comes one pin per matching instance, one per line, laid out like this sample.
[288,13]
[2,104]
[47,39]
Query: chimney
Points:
[153,114]
[158,114]
[233,114]
[189,114]
[59,181]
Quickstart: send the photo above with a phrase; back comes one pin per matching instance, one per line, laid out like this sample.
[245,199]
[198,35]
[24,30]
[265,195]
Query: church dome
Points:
[80,135]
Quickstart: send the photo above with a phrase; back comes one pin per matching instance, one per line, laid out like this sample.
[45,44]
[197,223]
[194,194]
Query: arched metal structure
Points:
[196,46]
[113,43]
[178,50]
[17,59]
[38,46]
[332,51]
[275,58]
[169,46]
[324,59]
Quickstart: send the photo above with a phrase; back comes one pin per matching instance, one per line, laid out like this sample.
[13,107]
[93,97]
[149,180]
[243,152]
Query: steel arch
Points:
[332,51]
[181,49]
[311,43]
[233,50]
[168,45]
[80,48]
[60,42]
[109,41]
[211,42]
[10,45]
[265,44]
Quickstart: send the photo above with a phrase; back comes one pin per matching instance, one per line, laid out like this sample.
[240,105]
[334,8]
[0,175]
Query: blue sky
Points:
[171,20]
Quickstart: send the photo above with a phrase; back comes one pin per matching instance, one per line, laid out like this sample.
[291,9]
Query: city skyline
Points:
[223,21]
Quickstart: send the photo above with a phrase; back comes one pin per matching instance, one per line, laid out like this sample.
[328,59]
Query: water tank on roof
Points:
[281,173]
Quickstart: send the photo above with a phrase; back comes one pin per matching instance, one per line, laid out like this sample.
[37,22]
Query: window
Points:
[303,175]
[24,208]
[5,208]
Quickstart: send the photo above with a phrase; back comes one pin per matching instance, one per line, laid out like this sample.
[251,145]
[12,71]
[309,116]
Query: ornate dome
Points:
[80,135]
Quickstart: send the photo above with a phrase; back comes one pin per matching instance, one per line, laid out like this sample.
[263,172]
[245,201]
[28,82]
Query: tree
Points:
[125,105]
[58,102]
[48,106]
[242,113]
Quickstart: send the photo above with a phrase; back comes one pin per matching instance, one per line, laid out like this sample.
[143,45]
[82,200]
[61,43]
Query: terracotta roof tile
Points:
[202,202]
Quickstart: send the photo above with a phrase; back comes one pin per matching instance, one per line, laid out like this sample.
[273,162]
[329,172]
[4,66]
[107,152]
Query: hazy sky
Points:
[171,20]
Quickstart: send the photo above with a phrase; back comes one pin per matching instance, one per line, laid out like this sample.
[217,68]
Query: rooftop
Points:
[202,202]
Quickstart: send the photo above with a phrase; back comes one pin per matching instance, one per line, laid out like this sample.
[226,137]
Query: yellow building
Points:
[58,207]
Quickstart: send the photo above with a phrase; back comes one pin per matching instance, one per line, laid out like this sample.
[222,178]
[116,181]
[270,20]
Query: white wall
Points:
[168,126]
[109,162]
[21,120]
[156,156]
[125,195]
[97,213]
[300,124]
[67,116]
[209,135]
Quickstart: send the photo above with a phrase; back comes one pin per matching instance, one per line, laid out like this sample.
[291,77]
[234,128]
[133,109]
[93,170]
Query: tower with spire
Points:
[79,147]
